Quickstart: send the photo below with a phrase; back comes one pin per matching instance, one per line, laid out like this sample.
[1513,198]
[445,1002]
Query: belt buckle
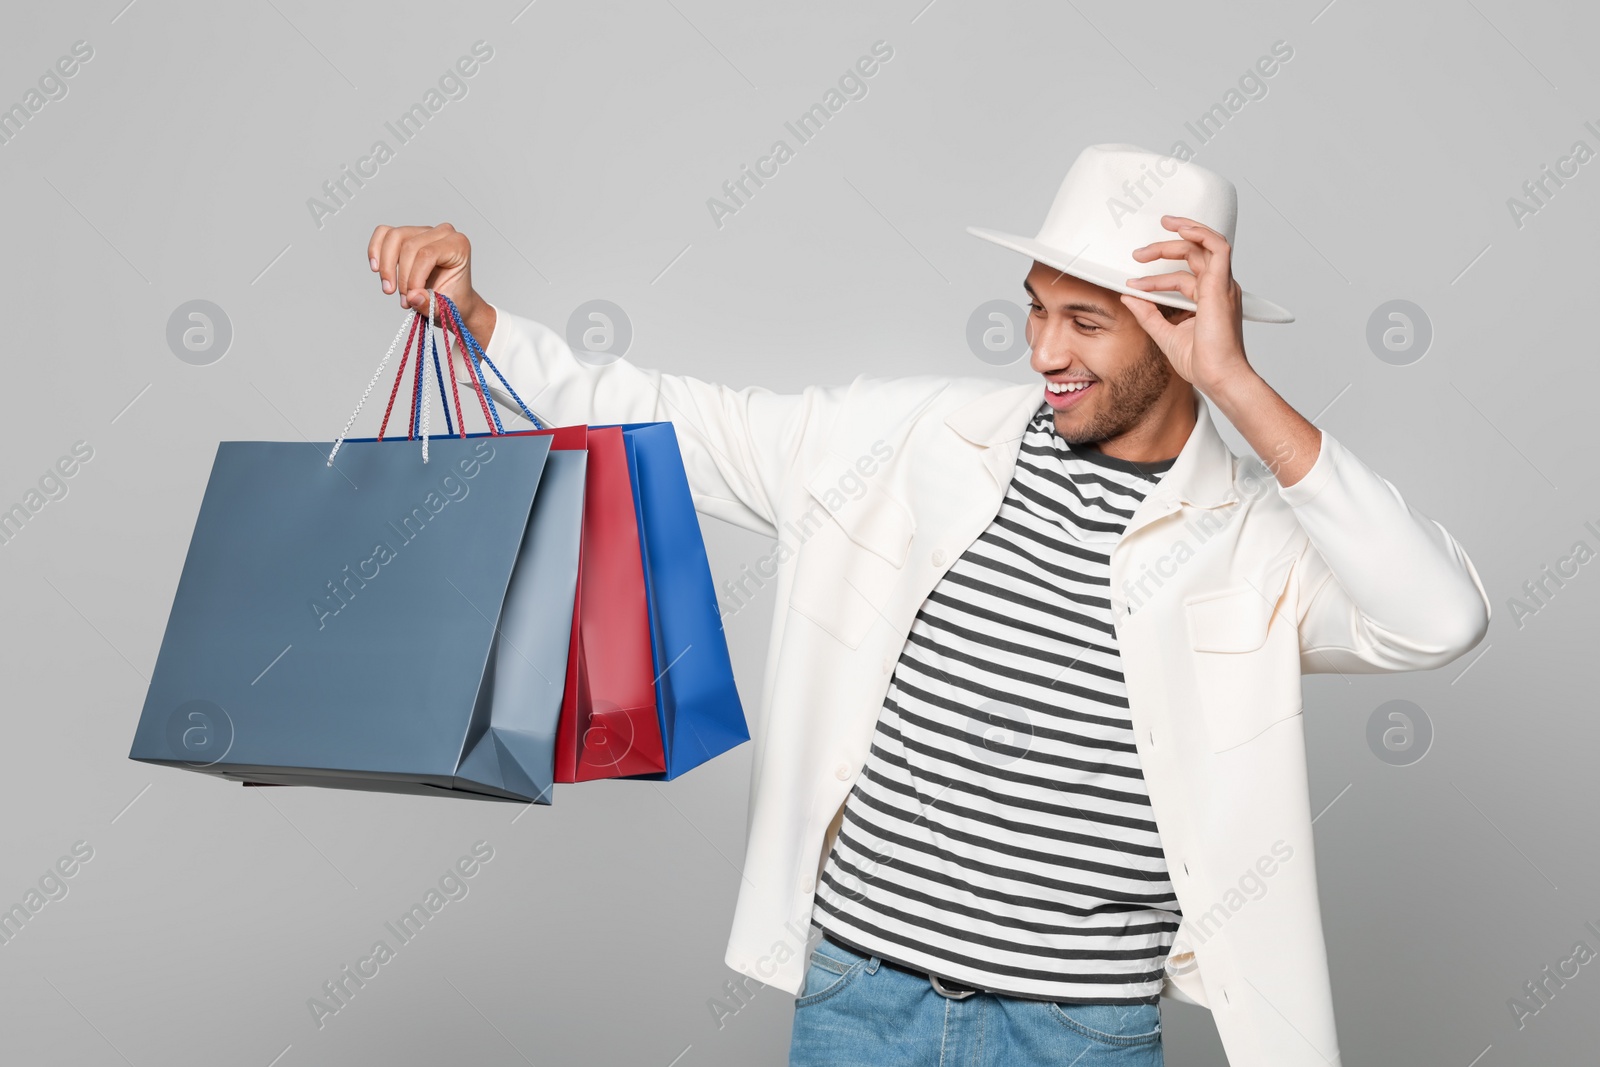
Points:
[952,994]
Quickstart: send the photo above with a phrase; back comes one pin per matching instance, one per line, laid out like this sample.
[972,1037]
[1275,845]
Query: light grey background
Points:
[1377,167]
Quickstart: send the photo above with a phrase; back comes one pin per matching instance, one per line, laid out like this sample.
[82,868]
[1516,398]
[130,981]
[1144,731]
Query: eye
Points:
[1035,307]
[1086,327]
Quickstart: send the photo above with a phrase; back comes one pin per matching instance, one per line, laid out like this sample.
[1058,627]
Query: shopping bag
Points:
[697,706]
[378,623]
[610,726]
[701,715]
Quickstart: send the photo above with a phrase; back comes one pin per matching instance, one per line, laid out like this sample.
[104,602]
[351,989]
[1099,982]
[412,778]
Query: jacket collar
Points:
[1201,476]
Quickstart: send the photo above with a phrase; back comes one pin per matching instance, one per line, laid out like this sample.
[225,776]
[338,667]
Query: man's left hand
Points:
[1206,347]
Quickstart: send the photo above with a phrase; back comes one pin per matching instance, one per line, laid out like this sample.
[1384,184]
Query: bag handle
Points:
[470,344]
[480,386]
[455,389]
[414,323]
[419,397]
[422,332]
[438,375]
[400,374]
[410,322]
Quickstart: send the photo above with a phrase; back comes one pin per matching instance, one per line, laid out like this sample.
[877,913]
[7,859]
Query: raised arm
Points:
[1382,586]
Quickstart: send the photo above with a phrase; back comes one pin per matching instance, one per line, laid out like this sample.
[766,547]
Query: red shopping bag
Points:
[609,725]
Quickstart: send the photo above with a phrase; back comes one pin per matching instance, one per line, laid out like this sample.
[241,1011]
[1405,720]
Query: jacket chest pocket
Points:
[1246,655]
[852,561]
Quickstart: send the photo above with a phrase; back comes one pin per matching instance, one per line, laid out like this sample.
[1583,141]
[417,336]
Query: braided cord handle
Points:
[450,368]
[438,374]
[410,322]
[399,376]
[471,344]
[477,382]
[422,332]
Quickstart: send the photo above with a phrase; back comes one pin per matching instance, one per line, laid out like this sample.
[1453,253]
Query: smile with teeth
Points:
[1067,387]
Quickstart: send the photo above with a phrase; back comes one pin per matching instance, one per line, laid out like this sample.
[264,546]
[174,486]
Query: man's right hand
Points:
[410,260]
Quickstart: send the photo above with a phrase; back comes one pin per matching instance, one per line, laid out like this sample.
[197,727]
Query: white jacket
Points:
[1225,588]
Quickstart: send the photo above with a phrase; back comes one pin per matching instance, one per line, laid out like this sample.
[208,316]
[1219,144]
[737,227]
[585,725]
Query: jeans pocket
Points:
[1117,1025]
[830,969]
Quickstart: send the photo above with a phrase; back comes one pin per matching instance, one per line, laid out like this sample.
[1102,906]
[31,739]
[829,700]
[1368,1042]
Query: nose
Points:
[1051,349]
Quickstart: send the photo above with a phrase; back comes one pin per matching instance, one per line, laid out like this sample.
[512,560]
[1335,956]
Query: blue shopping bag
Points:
[701,714]
[382,623]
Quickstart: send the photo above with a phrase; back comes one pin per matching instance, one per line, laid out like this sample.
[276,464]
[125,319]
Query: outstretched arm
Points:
[737,444]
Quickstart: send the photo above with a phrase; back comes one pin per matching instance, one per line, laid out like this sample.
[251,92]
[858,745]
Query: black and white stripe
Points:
[1000,833]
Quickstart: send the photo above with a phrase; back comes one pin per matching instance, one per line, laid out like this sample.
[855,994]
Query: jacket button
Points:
[938,557]
[842,772]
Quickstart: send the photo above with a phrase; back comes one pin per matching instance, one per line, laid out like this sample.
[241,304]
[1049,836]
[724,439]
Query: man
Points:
[1029,747]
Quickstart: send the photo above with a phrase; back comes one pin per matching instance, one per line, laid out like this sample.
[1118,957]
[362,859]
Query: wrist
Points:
[1235,384]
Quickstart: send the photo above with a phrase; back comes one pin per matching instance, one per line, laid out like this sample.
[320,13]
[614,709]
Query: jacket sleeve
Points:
[1382,586]
[737,444]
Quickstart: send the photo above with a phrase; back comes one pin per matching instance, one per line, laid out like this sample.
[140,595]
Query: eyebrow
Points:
[1093,309]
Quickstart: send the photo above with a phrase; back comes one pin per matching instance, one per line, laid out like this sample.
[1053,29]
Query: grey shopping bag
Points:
[381,624]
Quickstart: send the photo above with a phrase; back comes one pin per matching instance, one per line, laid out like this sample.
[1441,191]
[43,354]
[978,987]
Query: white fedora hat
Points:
[1111,202]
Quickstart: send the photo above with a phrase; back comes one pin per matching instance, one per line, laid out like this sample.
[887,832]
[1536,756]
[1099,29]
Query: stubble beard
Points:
[1126,400]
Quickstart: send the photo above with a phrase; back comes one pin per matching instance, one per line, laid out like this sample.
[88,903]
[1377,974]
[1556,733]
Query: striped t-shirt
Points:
[1000,833]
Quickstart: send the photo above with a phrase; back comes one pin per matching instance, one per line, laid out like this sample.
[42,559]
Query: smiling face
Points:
[1107,381]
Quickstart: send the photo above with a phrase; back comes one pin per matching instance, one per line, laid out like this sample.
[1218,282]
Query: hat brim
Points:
[1253,307]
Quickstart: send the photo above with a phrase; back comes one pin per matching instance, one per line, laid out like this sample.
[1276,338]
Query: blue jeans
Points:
[855,1012]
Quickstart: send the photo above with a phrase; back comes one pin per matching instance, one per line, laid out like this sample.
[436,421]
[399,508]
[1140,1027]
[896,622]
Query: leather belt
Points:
[947,987]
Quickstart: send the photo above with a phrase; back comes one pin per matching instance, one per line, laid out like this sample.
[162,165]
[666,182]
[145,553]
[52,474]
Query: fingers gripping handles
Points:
[419,331]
